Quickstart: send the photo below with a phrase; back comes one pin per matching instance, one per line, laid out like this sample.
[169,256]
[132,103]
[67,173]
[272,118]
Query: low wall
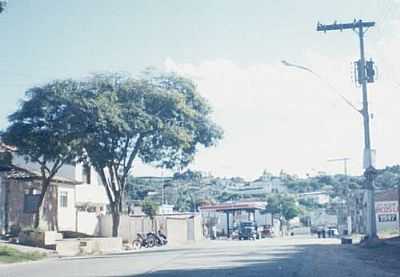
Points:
[43,239]
[85,246]
[128,227]
[178,227]
[88,223]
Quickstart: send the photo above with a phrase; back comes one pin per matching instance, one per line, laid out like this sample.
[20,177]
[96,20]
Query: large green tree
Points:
[40,131]
[283,205]
[159,119]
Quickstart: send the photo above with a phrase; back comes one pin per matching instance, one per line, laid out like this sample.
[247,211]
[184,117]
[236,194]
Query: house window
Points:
[63,199]
[86,173]
[31,201]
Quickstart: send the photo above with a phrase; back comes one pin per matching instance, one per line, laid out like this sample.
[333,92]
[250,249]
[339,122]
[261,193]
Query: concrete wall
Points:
[66,215]
[72,247]
[178,228]
[128,227]
[95,194]
[88,223]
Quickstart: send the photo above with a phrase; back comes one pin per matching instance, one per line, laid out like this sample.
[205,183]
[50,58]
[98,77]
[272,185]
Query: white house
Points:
[318,197]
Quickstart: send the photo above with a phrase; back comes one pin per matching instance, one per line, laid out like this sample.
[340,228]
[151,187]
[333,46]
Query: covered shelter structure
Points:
[232,208]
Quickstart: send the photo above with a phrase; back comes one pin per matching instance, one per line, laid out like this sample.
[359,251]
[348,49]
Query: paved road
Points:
[290,257]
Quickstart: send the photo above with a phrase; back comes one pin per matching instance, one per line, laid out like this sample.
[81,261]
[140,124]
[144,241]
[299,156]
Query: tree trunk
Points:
[45,185]
[115,222]
[6,205]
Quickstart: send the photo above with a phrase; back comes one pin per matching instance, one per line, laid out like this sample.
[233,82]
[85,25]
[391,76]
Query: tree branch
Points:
[133,155]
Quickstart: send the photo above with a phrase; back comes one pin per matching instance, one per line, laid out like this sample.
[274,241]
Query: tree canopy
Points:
[160,119]
[283,205]
[40,131]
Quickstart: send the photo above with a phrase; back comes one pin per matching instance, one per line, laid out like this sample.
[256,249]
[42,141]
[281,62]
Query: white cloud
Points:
[277,117]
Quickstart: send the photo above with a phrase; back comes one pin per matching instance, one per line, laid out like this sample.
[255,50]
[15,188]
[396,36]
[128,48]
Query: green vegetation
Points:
[150,208]
[11,255]
[110,121]
[283,205]
[39,131]
[190,189]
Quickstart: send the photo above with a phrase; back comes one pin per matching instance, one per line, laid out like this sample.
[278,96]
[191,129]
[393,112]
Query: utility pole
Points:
[365,75]
[345,194]
[344,160]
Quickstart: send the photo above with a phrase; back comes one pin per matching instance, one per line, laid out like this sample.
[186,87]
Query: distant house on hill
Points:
[318,197]
[261,186]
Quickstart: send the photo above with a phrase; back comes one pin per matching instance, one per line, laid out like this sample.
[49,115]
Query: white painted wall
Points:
[67,215]
[88,223]
[94,194]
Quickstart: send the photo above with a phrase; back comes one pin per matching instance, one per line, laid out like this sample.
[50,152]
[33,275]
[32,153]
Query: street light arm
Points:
[334,89]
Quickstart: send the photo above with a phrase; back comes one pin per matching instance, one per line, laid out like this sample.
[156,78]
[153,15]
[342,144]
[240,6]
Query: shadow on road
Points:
[298,260]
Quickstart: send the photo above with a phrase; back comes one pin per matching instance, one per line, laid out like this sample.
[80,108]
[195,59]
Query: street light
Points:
[333,88]
[370,172]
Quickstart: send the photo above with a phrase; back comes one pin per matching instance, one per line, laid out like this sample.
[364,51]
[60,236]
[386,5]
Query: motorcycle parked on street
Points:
[149,240]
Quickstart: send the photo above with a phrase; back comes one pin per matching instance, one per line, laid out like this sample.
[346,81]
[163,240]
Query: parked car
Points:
[247,230]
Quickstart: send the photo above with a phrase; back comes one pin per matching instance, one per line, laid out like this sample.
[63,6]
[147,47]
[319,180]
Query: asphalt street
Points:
[294,256]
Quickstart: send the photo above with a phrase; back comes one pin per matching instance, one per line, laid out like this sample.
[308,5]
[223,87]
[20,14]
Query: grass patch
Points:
[12,255]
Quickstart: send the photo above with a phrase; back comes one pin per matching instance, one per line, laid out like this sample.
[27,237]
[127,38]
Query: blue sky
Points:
[224,45]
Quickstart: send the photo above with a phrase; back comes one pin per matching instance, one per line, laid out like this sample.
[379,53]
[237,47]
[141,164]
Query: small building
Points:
[318,197]
[73,201]
[387,210]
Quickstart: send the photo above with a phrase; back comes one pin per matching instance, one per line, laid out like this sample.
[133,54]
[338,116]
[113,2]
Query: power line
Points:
[365,76]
